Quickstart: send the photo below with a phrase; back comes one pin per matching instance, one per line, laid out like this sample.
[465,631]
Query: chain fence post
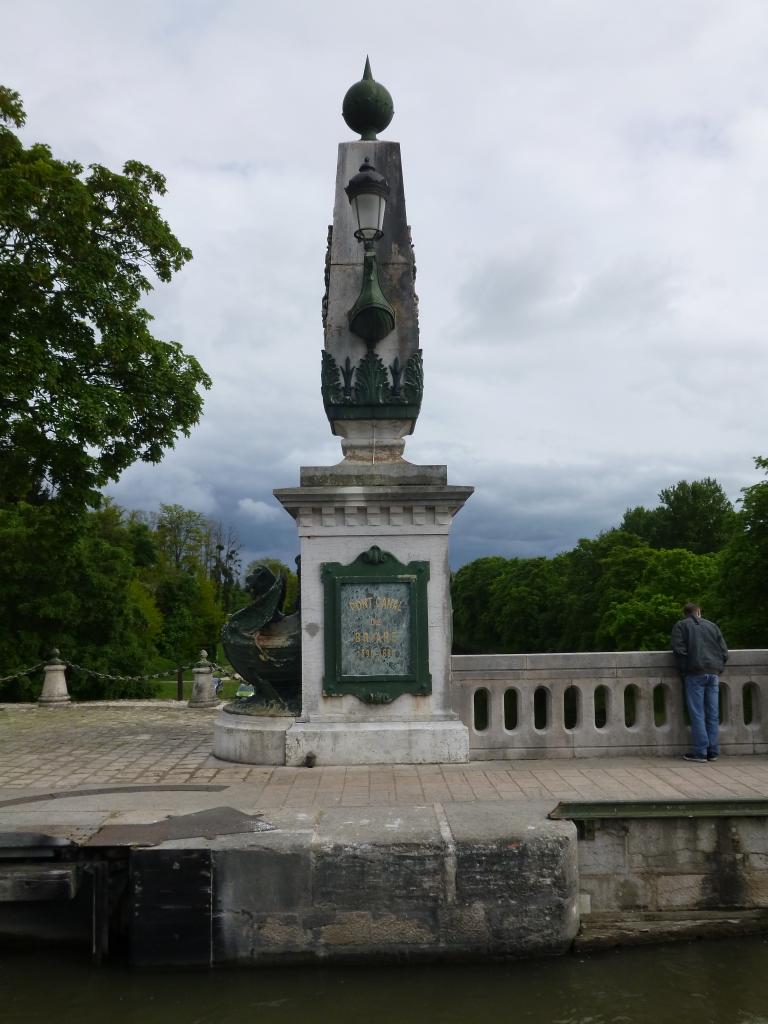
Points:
[54,690]
[203,693]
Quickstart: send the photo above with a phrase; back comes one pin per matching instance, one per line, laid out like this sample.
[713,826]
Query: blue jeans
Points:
[701,696]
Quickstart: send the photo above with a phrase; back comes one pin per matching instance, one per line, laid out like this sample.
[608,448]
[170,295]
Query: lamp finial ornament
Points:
[367,106]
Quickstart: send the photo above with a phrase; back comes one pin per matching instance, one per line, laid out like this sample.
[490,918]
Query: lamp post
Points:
[371,318]
[371,372]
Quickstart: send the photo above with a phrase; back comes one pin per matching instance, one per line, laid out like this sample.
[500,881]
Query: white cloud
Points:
[258,511]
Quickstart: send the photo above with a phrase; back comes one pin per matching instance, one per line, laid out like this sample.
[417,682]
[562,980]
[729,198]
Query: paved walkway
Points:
[139,745]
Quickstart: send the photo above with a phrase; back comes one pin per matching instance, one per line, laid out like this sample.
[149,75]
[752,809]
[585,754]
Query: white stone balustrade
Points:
[599,704]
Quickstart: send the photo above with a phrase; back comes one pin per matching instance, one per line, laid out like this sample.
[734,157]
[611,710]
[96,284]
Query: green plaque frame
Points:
[375,566]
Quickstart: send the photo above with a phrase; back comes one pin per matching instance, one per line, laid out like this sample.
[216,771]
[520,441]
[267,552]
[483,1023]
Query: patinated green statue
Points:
[264,645]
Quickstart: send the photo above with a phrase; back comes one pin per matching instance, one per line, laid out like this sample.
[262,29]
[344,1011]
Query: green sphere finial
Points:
[367,107]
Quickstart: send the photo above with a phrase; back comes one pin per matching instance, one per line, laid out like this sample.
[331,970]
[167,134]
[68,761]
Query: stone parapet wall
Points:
[605,703]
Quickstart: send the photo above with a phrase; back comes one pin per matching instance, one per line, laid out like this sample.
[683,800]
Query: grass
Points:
[167,689]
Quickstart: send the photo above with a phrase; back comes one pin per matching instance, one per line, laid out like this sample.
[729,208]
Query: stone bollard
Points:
[203,691]
[55,683]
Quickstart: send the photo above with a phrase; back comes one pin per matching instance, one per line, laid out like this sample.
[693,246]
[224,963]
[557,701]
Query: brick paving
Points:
[49,750]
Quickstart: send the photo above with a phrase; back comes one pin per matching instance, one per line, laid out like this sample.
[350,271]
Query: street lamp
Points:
[371,318]
[368,192]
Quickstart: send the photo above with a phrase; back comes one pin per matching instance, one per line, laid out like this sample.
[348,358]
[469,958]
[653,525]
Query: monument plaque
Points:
[376,628]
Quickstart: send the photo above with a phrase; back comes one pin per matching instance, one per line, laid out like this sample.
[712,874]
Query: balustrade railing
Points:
[600,704]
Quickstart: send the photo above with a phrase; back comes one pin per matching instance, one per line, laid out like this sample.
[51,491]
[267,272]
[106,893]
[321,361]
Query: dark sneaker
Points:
[694,757]
[712,757]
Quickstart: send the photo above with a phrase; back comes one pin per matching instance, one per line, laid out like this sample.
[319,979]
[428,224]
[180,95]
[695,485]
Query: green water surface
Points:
[715,982]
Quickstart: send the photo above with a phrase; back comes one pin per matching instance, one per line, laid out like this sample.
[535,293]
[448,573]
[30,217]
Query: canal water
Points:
[714,982]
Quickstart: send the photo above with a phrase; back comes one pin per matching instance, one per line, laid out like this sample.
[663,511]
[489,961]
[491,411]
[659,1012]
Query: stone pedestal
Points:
[203,690]
[341,514]
[250,740]
[54,693]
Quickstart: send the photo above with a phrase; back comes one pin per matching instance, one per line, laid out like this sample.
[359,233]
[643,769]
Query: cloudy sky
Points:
[587,184]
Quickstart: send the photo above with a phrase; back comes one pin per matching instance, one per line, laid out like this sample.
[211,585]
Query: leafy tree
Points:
[640,619]
[180,535]
[85,388]
[642,522]
[595,573]
[191,617]
[524,606]
[613,592]
[69,583]
[743,585]
[697,516]
[474,622]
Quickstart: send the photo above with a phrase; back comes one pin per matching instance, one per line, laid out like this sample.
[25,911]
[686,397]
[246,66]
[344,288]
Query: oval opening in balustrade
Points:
[510,709]
[601,707]
[630,706]
[541,707]
[482,708]
[750,703]
[571,707]
[660,701]
[724,703]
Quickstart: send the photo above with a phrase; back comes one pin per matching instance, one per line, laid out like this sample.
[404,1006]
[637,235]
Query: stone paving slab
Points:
[141,761]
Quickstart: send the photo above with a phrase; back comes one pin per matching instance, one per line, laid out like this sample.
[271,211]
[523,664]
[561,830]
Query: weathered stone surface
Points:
[414,882]
[250,740]
[687,863]
[522,871]
[386,742]
[603,857]
[606,931]
[375,474]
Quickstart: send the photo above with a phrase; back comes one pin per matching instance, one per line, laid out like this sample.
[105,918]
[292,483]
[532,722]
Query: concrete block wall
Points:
[594,704]
[680,864]
[454,880]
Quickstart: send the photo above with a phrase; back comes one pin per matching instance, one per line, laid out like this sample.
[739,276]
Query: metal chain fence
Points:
[22,673]
[109,677]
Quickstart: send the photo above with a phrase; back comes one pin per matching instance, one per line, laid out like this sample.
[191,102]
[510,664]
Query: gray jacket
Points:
[699,646]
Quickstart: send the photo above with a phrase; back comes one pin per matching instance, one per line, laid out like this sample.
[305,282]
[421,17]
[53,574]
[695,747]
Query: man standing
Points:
[701,654]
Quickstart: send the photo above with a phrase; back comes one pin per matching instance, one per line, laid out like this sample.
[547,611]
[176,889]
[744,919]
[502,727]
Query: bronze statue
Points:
[264,645]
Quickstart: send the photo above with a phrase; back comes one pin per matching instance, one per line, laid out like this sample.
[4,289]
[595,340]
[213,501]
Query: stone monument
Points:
[375,597]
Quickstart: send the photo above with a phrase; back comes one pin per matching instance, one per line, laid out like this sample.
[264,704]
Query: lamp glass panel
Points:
[370,213]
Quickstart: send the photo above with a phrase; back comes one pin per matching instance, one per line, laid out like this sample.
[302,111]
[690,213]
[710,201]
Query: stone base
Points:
[339,743]
[247,740]
[361,884]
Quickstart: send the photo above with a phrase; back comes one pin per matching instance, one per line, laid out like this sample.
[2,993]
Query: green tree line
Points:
[117,592]
[623,590]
